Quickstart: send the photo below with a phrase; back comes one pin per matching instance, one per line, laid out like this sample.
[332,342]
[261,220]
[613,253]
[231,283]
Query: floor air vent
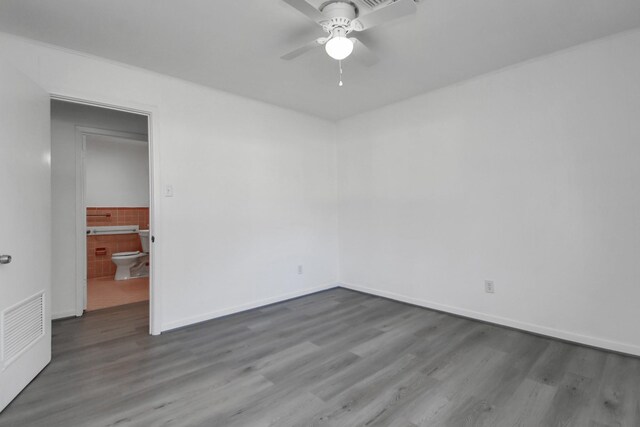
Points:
[22,325]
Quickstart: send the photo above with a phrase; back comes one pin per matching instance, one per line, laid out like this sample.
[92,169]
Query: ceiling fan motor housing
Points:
[339,14]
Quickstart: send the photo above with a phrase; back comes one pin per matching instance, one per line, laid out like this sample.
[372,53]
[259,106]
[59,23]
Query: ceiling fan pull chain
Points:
[340,77]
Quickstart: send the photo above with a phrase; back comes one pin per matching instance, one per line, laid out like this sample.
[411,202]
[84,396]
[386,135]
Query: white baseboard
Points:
[238,308]
[516,324]
[63,314]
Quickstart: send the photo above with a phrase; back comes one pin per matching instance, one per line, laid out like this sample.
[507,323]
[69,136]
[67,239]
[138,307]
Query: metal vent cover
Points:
[372,4]
[375,3]
[22,325]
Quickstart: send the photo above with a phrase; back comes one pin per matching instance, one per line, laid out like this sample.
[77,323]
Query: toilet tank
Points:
[144,239]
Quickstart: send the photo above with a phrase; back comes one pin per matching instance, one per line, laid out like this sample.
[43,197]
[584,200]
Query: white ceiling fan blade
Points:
[388,13]
[304,49]
[306,9]
[363,54]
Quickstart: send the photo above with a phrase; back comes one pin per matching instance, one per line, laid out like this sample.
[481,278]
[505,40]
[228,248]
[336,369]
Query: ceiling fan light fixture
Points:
[339,47]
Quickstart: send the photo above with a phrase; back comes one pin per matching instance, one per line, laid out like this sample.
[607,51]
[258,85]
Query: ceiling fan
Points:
[339,18]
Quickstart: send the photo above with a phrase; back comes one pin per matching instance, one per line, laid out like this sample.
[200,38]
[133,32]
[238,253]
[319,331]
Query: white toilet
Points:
[133,264]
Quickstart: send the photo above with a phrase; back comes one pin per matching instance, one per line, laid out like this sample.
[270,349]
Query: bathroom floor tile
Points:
[103,292]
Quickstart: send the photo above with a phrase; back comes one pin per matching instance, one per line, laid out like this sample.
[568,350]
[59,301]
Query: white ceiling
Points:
[235,45]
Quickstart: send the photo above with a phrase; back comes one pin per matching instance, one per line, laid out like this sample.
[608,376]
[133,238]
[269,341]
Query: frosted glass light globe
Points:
[339,47]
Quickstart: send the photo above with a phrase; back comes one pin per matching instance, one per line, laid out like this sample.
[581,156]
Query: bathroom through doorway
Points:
[101,159]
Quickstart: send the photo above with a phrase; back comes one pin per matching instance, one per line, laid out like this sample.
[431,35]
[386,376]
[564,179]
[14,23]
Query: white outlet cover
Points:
[489,287]
[168,191]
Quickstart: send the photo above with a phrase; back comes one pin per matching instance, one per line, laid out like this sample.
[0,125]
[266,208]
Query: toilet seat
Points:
[125,255]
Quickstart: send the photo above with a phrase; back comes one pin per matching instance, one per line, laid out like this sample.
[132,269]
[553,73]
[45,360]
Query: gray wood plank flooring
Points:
[336,358]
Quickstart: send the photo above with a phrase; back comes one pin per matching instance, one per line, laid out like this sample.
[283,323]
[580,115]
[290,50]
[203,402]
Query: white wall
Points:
[254,185]
[65,117]
[117,172]
[528,177]
[525,176]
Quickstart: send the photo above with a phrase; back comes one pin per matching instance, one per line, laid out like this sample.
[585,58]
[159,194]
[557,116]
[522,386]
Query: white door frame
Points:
[154,187]
[81,218]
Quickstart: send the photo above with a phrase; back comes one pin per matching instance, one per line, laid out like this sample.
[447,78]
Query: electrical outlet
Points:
[299,269]
[168,191]
[489,287]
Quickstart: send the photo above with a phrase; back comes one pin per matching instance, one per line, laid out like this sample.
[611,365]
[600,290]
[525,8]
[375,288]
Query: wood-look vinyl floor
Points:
[336,358]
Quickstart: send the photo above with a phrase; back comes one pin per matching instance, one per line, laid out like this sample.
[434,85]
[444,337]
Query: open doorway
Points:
[116,202]
[101,163]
